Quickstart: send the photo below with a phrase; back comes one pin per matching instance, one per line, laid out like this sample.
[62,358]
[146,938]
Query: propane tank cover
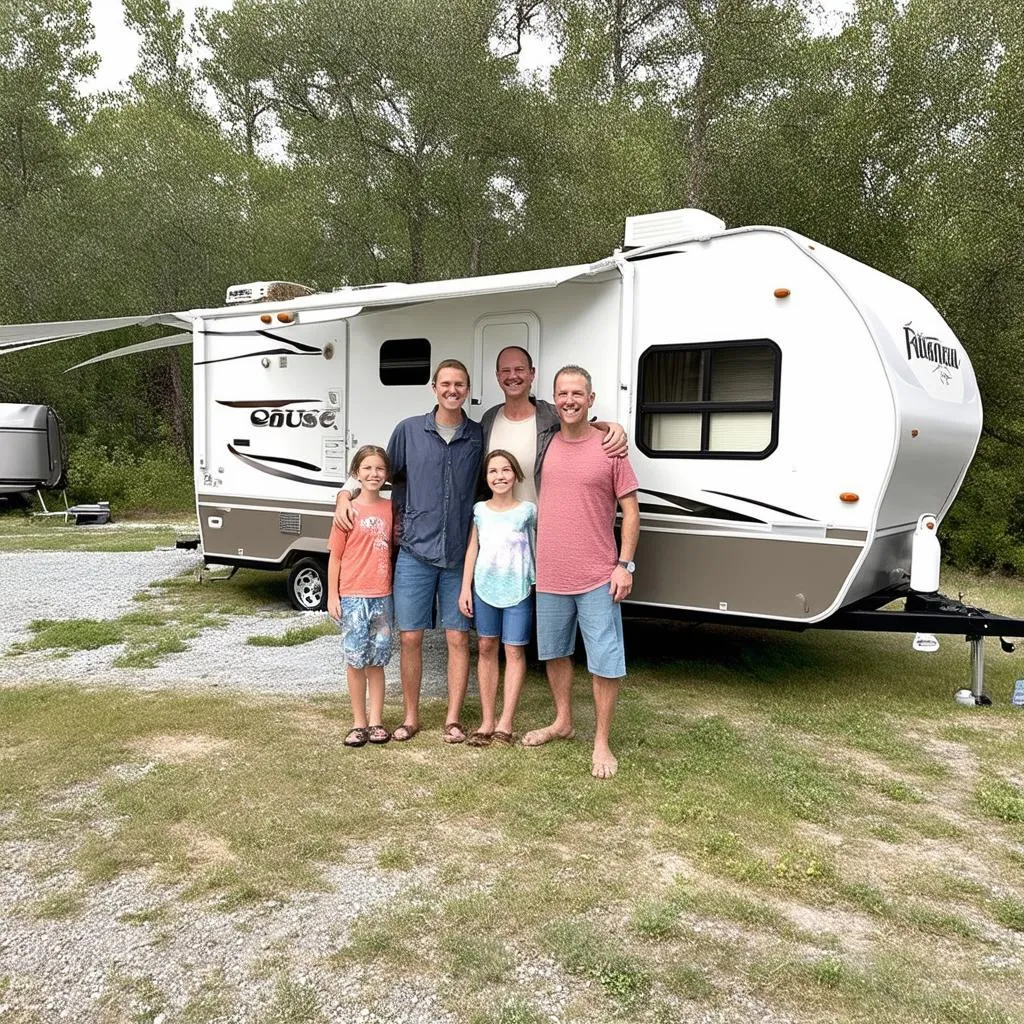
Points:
[925,556]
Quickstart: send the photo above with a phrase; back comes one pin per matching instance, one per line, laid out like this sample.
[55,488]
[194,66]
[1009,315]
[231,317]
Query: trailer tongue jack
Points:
[925,614]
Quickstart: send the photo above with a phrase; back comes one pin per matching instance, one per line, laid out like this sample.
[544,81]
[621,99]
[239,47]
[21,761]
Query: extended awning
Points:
[339,304]
[168,341]
[18,337]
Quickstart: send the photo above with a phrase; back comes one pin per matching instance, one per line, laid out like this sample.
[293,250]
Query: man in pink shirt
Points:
[581,576]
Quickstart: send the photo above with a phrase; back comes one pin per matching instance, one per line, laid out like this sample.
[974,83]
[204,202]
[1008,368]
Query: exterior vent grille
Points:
[290,522]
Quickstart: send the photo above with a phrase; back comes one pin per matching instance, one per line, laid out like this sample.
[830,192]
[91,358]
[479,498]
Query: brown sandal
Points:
[408,731]
[454,733]
[503,739]
[480,739]
[378,734]
[357,737]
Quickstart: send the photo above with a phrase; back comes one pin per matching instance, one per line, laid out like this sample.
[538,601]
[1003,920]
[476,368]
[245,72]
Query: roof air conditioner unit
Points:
[670,226]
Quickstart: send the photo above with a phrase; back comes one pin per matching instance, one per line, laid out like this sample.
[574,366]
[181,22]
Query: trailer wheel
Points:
[307,585]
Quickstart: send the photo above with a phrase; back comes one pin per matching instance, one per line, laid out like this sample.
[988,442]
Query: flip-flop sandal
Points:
[480,739]
[378,734]
[502,739]
[357,737]
[454,733]
[408,730]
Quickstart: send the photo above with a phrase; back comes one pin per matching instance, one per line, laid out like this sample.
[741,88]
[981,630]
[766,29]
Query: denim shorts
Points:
[514,625]
[420,587]
[600,622]
[366,630]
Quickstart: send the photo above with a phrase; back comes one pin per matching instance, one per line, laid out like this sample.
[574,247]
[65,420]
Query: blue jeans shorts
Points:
[514,625]
[600,622]
[366,630]
[418,587]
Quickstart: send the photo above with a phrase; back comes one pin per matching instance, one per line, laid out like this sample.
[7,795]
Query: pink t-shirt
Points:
[579,491]
[365,552]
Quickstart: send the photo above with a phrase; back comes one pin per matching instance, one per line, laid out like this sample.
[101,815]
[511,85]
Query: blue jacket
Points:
[434,486]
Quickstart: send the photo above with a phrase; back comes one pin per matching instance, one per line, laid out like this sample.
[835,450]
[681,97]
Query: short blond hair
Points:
[450,364]
[576,371]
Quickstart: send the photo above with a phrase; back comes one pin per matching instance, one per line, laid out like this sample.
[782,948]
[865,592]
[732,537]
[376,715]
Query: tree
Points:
[163,51]
[237,70]
[396,113]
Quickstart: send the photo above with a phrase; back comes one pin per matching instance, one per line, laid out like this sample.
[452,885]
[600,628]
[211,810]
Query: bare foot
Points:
[538,737]
[604,767]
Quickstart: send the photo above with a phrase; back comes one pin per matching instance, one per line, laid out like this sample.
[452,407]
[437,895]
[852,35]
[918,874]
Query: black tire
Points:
[307,585]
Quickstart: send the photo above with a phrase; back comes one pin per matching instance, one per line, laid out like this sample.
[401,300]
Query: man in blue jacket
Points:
[435,469]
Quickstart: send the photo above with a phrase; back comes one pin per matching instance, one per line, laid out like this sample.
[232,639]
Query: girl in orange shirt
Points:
[359,595]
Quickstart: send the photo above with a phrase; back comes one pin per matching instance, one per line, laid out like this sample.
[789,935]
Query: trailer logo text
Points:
[293,418]
[921,346]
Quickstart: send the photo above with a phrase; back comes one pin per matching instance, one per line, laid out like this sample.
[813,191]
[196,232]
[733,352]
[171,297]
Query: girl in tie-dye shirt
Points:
[496,591]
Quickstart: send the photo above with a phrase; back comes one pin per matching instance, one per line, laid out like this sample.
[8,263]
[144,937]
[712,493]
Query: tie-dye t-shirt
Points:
[504,570]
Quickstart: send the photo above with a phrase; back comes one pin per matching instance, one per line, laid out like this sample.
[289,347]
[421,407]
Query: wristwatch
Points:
[630,567]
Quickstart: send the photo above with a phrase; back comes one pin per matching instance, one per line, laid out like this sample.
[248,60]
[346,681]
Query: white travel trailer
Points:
[793,413]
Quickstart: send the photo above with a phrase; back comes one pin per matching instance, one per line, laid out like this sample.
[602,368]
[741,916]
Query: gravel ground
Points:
[102,585]
[97,966]
[135,950]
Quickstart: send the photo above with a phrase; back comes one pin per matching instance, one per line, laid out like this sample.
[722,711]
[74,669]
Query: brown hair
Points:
[450,364]
[364,453]
[512,461]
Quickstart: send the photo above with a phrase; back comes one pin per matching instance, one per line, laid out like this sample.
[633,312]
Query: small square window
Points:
[405,361]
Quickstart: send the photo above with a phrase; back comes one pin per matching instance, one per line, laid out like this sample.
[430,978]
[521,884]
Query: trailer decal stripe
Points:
[249,461]
[763,504]
[264,352]
[689,507]
[270,403]
[269,335]
[283,461]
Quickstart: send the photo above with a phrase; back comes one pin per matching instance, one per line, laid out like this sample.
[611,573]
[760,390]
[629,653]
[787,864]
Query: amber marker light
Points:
[849,497]
[782,293]
[285,318]
[266,318]
[914,432]
[930,525]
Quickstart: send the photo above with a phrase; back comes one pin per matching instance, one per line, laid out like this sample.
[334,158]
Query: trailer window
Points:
[719,400]
[405,361]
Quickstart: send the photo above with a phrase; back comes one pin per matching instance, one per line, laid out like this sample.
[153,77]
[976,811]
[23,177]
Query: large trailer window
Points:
[405,361]
[719,400]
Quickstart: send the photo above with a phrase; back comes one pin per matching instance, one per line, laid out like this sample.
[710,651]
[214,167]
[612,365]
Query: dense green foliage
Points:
[334,141]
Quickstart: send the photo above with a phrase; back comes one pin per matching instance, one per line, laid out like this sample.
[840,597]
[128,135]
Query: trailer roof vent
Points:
[265,291]
[670,226]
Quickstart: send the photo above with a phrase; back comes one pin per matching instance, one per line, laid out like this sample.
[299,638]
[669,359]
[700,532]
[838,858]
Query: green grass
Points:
[59,905]
[585,950]
[176,611]
[775,829]
[1001,799]
[70,635]
[21,532]
[294,637]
